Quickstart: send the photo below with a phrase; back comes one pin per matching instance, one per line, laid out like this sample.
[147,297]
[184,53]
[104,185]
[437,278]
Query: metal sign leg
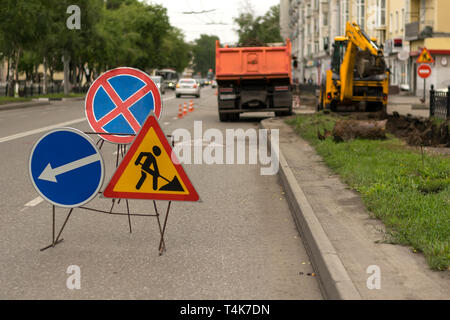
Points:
[162,247]
[159,223]
[128,212]
[56,241]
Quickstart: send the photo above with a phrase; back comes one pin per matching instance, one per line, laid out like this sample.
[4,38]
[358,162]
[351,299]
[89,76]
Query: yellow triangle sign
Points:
[425,57]
[150,170]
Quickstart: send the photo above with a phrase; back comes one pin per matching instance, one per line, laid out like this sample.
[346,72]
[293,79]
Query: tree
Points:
[20,26]
[259,31]
[177,51]
[204,52]
[113,33]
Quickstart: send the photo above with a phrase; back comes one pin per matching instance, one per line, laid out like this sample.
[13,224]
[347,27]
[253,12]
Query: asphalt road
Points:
[239,242]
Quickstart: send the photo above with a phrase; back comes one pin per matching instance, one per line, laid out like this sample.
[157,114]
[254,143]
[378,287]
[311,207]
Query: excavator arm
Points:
[363,53]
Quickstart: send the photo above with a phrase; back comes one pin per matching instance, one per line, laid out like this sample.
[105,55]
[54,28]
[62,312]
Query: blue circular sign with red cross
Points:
[119,102]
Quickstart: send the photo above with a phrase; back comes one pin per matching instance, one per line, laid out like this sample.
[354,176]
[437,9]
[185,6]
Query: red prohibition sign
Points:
[105,107]
[424,71]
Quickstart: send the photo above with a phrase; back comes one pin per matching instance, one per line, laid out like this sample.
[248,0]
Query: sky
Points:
[225,10]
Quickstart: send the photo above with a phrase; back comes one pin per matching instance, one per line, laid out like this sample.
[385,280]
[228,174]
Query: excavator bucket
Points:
[368,65]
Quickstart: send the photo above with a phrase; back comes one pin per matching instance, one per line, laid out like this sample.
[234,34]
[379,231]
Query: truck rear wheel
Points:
[233,117]
[223,116]
[283,113]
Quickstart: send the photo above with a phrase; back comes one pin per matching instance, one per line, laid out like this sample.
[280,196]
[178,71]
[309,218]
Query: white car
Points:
[159,83]
[187,87]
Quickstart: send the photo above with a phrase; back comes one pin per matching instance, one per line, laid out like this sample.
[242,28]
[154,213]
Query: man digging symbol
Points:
[146,168]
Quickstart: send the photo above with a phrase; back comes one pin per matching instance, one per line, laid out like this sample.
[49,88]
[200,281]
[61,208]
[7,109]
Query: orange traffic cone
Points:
[180,112]
[185,108]
[191,106]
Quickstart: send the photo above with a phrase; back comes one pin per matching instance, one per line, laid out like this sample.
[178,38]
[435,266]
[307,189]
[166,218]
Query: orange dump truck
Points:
[253,79]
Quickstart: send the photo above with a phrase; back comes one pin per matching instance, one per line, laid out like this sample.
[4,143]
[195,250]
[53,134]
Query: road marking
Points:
[34,202]
[31,132]
[166,123]
[49,173]
[47,128]
[172,97]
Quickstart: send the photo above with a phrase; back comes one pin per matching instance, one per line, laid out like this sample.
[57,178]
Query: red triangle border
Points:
[109,192]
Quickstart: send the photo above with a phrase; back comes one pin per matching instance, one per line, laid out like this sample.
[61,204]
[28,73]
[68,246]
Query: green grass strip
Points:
[408,192]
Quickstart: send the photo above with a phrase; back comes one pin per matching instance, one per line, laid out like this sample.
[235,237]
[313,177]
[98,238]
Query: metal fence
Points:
[35,89]
[440,103]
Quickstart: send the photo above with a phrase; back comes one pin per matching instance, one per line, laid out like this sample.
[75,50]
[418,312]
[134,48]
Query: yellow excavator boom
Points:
[357,41]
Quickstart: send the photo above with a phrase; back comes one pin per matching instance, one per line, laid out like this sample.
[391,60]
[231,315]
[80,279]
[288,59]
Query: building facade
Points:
[402,27]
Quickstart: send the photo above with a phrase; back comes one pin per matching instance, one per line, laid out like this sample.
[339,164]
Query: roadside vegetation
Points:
[55,96]
[5,100]
[408,190]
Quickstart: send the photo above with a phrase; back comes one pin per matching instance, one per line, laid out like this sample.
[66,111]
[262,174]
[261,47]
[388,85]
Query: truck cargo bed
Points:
[253,62]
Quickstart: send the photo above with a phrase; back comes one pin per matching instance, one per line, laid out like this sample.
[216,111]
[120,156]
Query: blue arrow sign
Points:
[66,168]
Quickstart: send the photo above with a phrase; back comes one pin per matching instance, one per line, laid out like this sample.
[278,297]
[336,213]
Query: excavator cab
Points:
[357,80]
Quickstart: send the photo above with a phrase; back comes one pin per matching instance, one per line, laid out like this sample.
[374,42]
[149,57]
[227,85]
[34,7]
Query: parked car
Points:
[214,84]
[159,83]
[187,87]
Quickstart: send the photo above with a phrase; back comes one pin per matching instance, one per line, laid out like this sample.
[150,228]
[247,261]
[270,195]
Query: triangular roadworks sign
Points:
[425,57]
[150,170]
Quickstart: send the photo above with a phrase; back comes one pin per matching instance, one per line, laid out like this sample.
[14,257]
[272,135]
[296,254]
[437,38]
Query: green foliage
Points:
[204,52]
[411,198]
[258,31]
[177,52]
[113,33]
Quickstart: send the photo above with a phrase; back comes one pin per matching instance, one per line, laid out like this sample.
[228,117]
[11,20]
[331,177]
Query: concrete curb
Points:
[334,280]
[11,106]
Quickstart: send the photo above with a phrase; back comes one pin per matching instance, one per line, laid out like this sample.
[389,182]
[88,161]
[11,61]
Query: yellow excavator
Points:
[358,79]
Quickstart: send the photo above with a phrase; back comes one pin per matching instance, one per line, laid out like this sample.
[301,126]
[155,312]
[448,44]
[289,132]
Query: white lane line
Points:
[58,125]
[34,202]
[166,123]
[31,132]
[170,98]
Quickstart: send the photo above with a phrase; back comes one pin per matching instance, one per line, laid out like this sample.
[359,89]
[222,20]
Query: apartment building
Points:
[428,26]
[312,26]
[402,27]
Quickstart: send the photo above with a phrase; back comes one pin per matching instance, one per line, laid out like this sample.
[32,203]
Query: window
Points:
[396,21]
[361,13]
[402,24]
[325,19]
[344,15]
[422,11]
[381,13]
[391,23]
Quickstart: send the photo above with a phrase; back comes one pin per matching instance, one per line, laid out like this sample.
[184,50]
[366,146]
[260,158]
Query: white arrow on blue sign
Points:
[66,168]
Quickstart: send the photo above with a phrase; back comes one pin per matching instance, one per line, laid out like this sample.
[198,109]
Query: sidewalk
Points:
[343,240]
[408,105]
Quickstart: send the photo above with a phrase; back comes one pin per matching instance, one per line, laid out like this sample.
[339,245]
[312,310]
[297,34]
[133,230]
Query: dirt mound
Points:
[419,131]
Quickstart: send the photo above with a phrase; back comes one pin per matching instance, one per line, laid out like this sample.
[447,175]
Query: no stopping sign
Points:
[119,101]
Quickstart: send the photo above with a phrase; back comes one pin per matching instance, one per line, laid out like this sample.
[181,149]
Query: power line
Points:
[198,12]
